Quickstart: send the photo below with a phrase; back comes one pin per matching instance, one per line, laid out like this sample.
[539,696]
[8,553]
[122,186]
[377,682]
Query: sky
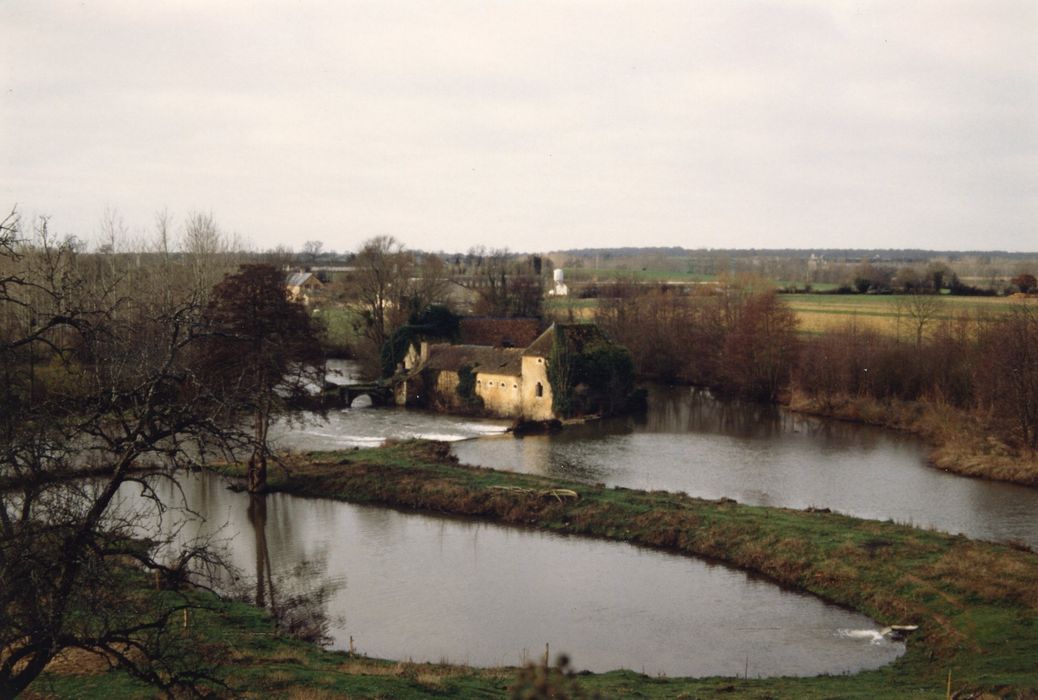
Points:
[534,126]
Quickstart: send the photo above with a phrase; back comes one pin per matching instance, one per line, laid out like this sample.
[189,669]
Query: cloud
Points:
[535,125]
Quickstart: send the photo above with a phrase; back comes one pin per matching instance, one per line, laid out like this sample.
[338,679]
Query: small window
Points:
[540,360]
[539,391]
[515,386]
[479,382]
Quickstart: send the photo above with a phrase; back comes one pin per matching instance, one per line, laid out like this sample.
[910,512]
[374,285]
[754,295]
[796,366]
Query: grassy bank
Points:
[961,443]
[976,603]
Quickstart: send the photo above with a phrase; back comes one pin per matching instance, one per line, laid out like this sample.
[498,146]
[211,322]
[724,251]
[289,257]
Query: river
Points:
[408,586]
[690,441]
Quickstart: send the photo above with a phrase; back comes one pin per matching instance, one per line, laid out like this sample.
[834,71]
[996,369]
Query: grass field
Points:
[339,325]
[887,314]
[820,313]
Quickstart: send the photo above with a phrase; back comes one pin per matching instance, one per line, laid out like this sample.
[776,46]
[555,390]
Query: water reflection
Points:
[760,454]
[408,586]
[257,514]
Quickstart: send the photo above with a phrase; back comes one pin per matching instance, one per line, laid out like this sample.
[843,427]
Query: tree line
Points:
[110,364]
[741,339]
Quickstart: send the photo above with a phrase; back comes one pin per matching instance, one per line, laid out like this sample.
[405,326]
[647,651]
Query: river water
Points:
[764,455]
[409,586]
[690,441]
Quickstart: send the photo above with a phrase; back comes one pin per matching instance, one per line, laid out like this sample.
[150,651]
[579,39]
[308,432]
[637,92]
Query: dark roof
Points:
[480,358]
[577,335]
[499,332]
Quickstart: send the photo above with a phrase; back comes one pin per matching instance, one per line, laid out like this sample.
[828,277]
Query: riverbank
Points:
[960,444]
[975,602]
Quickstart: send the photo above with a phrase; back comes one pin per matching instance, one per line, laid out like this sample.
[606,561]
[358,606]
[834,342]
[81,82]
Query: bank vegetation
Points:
[967,382]
[974,602]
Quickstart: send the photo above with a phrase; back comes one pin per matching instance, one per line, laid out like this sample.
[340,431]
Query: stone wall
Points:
[536,405]
[501,394]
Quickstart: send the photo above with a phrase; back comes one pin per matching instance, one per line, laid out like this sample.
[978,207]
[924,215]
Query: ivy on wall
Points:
[466,388]
[596,377]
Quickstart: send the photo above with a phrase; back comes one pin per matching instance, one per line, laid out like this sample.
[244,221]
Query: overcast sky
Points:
[531,125]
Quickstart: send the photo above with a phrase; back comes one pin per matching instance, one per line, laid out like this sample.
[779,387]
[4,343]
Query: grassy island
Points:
[976,603]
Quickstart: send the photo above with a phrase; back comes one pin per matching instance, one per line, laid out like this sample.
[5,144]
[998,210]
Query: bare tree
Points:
[312,251]
[94,378]
[1007,379]
[504,284]
[921,309]
[760,350]
[379,285]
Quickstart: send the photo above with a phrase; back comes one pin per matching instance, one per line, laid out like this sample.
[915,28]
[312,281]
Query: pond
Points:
[408,586]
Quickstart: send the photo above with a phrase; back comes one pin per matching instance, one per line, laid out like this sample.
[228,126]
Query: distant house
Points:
[301,285]
[507,382]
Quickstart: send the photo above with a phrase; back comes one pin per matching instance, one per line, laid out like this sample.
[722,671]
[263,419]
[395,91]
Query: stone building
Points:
[507,382]
[513,382]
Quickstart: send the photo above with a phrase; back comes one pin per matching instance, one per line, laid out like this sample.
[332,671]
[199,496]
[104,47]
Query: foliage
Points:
[560,374]
[436,321]
[466,383]
[337,330]
[261,352]
[588,373]
[1025,282]
[544,682]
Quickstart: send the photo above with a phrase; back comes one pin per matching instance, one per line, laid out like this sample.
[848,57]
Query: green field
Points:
[819,313]
[887,313]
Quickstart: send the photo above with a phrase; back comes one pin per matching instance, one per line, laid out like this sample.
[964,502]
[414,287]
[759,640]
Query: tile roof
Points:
[480,358]
[501,332]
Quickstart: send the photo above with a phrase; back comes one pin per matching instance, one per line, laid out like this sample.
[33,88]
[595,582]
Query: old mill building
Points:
[497,380]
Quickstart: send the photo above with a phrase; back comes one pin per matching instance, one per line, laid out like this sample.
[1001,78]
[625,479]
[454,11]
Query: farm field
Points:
[819,313]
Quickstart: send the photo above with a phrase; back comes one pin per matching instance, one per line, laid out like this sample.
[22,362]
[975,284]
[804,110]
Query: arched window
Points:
[539,391]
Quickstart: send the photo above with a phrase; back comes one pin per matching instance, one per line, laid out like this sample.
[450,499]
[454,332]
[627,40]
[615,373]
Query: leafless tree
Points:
[922,310]
[1007,379]
[504,284]
[312,251]
[382,273]
[94,379]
